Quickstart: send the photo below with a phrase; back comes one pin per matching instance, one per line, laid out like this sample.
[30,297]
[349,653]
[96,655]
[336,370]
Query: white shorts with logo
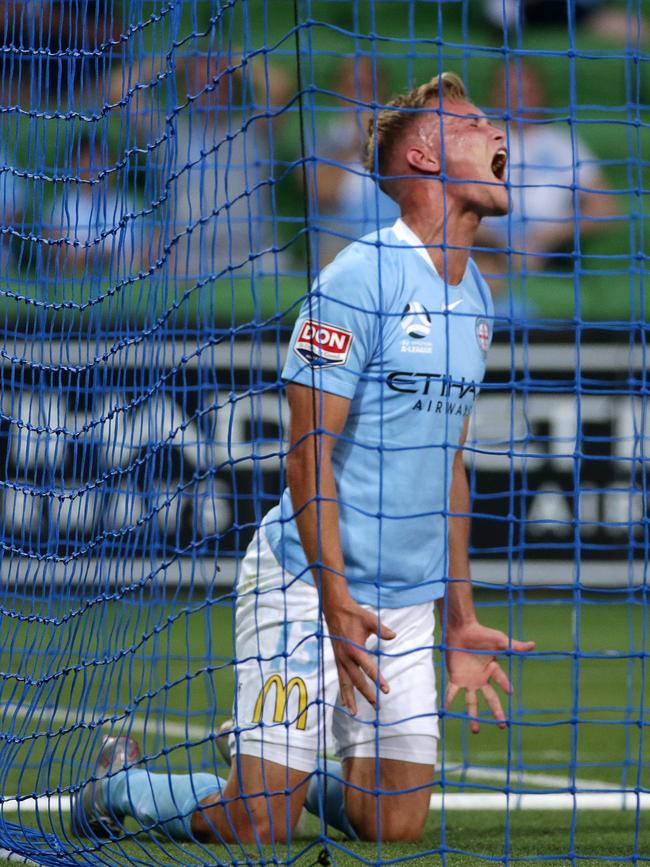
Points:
[287,708]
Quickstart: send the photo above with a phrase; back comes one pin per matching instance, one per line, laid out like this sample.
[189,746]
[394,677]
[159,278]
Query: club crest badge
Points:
[483,333]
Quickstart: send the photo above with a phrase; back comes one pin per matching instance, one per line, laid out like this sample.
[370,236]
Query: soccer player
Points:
[383,369]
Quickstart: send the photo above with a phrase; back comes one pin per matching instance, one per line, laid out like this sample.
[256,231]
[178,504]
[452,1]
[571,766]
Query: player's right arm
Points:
[317,420]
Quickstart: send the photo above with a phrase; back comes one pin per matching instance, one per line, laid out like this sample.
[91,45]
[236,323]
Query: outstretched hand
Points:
[350,627]
[473,671]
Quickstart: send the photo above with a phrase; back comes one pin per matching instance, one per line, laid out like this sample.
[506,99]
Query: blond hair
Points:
[387,125]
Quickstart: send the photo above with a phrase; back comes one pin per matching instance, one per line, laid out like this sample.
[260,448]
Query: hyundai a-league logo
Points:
[483,333]
[415,320]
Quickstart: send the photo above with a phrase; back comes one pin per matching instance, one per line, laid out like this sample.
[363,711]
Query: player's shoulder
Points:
[362,266]
[476,283]
[372,250]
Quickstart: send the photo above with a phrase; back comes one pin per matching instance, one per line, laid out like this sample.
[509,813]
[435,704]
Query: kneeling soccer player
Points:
[383,370]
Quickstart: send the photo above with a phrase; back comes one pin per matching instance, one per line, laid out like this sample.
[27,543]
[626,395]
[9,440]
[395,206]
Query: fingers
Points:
[358,680]
[352,677]
[370,670]
[491,641]
[499,676]
[471,706]
[357,670]
[372,624]
[492,672]
[347,694]
[494,704]
[523,646]
[385,633]
[504,643]
[450,693]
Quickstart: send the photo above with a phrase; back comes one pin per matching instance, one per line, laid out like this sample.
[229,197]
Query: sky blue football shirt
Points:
[381,329]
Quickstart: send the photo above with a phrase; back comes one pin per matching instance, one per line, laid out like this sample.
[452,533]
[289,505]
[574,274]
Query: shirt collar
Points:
[409,237]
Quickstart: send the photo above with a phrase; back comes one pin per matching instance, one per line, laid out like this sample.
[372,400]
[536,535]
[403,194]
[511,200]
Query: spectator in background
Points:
[222,198]
[601,18]
[89,212]
[545,160]
[66,49]
[14,199]
[350,204]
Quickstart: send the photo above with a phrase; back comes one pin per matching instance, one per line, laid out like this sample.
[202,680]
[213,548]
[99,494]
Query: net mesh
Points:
[155,158]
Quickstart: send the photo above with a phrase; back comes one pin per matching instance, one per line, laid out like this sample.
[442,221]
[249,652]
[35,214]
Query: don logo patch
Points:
[483,333]
[322,344]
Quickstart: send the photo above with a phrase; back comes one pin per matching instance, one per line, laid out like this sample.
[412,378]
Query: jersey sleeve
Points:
[336,332]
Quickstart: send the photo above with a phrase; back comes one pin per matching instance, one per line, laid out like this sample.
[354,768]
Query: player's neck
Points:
[449,237]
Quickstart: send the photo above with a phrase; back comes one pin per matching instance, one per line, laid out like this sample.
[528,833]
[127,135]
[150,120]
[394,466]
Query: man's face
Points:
[472,155]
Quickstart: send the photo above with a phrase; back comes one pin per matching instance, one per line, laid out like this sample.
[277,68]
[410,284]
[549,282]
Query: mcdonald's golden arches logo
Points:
[282,696]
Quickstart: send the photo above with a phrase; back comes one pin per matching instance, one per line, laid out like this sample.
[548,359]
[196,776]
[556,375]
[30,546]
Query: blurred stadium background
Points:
[153,252]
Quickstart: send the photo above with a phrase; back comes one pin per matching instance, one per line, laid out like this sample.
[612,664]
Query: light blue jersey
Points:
[381,329]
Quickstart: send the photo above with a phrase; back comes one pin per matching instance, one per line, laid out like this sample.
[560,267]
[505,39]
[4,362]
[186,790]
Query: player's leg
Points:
[319,797]
[278,723]
[389,799]
[390,803]
[261,802]
[278,715]
[122,786]
[199,805]
[185,806]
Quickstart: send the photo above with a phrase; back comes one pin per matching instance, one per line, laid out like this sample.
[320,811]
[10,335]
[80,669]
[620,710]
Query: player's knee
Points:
[403,829]
[254,823]
[392,825]
[268,827]
[260,828]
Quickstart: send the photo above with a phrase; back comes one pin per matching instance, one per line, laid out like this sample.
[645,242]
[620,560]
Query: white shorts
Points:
[287,706]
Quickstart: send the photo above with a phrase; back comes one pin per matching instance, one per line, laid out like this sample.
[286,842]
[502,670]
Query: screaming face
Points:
[499,162]
[471,154]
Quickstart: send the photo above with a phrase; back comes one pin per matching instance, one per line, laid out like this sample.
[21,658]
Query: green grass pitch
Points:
[166,665]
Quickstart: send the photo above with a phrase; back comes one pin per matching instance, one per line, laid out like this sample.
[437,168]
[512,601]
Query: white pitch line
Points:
[613,800]
[15,858]
[138,724]
[518,777]
[44,803]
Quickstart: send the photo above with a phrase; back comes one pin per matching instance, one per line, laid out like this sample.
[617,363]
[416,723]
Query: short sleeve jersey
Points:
[382,329]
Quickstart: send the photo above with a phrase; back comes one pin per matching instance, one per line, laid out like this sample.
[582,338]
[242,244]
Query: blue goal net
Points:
[174,177]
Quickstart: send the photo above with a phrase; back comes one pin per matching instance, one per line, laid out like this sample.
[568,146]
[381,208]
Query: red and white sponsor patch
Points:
[323,344]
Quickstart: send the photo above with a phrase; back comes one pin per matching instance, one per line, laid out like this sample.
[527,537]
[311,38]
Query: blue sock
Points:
[335,814]
[162,801]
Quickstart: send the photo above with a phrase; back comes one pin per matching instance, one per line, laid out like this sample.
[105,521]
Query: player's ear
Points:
[422,160]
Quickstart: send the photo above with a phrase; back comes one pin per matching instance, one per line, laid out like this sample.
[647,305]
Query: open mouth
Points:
[499,162]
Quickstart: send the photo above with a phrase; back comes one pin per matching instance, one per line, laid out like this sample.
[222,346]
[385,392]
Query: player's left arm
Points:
[463,635]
